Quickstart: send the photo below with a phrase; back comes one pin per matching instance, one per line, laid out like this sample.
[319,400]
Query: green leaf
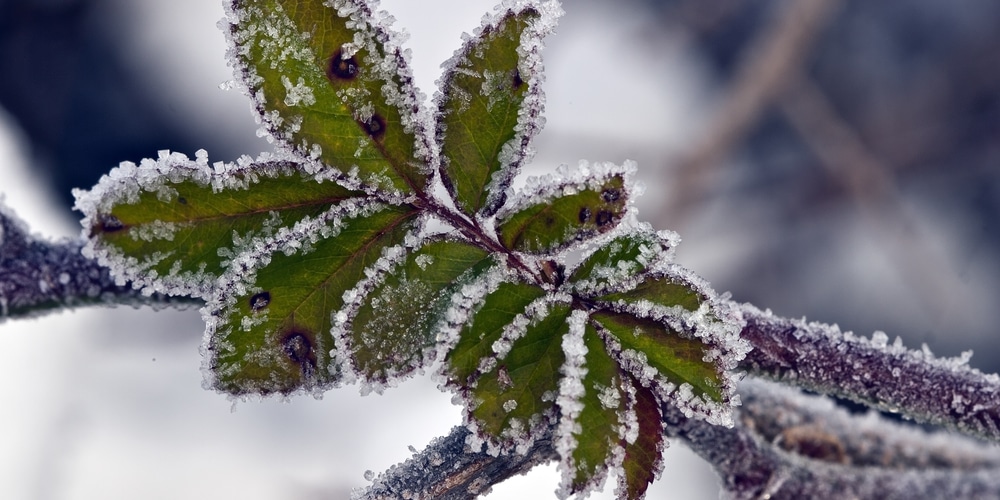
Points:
[573,213]
[332,86]
[398,320]
[173,225]
[485,327]
[676,358]
[644,456]
[661,289]
[624,258]
[514,398]
[483,96]
[598,423]
[270,323]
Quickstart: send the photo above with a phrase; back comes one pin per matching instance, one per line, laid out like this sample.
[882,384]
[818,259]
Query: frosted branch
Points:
[38,276]
[943,391]
[446,470]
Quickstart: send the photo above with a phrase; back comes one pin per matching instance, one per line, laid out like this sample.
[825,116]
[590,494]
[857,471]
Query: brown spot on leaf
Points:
[516,80]
[375,127]
[341,68]
[299,350]
[611,195]
[260,301]
[604,217]
[108,223]
[584,215]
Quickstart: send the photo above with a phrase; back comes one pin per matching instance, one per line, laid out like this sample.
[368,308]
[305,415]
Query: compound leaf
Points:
[397,322]
[330,83]
[270,320]
[488,110]
[172,225]
[570,212]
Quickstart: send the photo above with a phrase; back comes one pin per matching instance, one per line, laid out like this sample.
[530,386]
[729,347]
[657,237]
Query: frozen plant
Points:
[385,239]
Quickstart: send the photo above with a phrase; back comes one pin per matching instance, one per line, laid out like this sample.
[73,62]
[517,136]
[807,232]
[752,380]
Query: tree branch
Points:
[886,376]
[37,277]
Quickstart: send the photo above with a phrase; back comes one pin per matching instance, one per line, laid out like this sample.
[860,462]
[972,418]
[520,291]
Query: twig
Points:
[887,376]
[446,470]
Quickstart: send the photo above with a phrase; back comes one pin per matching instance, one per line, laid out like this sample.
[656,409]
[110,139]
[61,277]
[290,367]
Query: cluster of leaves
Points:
[384,238]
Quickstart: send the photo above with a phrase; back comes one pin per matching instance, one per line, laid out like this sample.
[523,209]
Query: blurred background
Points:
[838,160]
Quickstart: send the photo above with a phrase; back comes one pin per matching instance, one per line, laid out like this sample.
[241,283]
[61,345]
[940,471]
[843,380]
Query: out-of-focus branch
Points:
[784,445]
[37,277]
[770,61]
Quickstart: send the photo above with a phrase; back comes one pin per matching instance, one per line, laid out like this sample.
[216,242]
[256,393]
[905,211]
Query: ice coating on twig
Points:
[884,375]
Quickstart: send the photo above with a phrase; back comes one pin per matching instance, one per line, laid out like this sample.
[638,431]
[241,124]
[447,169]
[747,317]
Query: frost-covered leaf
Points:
[563,214]
[661,290]
[592,427]
[330,82]
[624,259]
[397,322]
[644,455]
[269,323]
[485,327]
[489,108]
[173,224]
[653,351]
[516,394]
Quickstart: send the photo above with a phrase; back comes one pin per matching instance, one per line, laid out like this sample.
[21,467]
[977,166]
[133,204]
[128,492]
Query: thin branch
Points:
[886,376]
[769,62]
[38,277]
[447,470]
